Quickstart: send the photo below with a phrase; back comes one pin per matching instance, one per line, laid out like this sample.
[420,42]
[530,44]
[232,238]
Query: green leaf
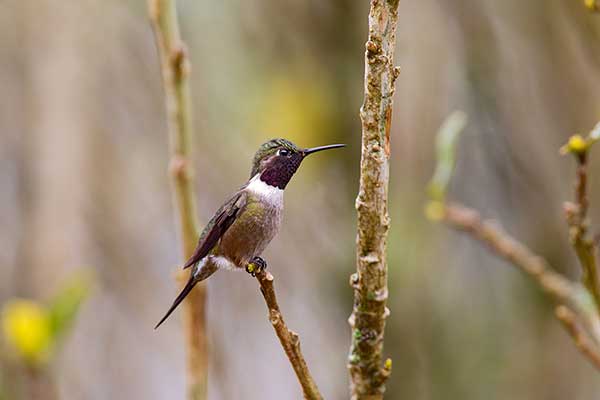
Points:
[65,305]
[447,138]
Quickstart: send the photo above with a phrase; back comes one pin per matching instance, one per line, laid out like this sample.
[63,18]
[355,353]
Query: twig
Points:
[367,374]
[585,345]
[175,72]
[289,340]
[506,247]
[576,215]
[561,289]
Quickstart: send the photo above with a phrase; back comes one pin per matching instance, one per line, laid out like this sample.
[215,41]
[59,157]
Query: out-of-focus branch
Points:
[564,292]
[367,374]
[506,247]
[175,72]
[576,214]
[289,340]
[583,342]
[561,289]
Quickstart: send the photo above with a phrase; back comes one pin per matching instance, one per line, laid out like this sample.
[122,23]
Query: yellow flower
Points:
[26,326]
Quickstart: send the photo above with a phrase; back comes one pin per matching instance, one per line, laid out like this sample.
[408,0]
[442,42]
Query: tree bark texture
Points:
[367,372]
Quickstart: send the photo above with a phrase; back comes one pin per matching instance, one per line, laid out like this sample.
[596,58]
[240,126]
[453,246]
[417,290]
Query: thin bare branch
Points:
[506,247]
[289,340]
[583,342]
[561,289]
[576,214]
[175,72]
[570,295]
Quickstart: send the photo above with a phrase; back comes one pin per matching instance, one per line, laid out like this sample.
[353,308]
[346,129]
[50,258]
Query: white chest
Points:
[267,193]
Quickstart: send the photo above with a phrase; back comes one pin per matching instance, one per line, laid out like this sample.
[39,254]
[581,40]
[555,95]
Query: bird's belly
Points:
[250,234]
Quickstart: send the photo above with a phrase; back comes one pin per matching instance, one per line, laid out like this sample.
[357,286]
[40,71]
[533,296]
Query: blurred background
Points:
[84,189]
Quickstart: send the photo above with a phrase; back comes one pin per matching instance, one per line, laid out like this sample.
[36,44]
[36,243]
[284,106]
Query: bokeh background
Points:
[84,187]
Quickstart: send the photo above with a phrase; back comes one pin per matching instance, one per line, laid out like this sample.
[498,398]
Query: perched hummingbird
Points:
[241,229]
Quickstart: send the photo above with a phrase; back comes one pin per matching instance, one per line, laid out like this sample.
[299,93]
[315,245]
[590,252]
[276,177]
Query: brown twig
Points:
[569,295]
[289,340]
[367,374]
[576,215]
[506,247]
[561,289]
[175,72]
[583,342]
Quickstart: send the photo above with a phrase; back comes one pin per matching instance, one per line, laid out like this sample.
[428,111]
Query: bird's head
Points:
[278,159]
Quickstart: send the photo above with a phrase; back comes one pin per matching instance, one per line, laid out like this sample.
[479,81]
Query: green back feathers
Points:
[269,148]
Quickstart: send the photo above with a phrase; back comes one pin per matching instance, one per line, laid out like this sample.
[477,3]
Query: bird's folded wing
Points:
[217,226]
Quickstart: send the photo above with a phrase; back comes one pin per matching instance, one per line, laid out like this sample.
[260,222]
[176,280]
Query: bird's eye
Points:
[283,152]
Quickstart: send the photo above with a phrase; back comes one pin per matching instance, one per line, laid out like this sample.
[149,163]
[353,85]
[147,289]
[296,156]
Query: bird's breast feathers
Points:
[264,191]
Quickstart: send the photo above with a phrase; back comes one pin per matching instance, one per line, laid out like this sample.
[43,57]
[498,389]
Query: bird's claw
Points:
[257,265]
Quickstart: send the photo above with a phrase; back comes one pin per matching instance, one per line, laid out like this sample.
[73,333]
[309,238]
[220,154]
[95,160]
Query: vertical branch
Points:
[175,72]
[289,340]
[576,218]
[367,373]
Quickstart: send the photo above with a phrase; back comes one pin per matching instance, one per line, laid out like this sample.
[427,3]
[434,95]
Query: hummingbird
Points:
[241,229]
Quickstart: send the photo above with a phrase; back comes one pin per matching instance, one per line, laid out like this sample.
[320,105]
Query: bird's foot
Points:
[256,266]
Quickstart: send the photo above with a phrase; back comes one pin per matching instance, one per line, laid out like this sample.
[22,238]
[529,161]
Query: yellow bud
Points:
[26,326]
[576,144]
[435,210]
[388,364]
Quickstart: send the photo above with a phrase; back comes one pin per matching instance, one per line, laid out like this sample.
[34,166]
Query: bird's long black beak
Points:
[306,152]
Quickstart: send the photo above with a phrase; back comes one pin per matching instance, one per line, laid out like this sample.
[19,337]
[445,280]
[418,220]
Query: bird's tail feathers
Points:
[205,269]
[192,261]
[186,290]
